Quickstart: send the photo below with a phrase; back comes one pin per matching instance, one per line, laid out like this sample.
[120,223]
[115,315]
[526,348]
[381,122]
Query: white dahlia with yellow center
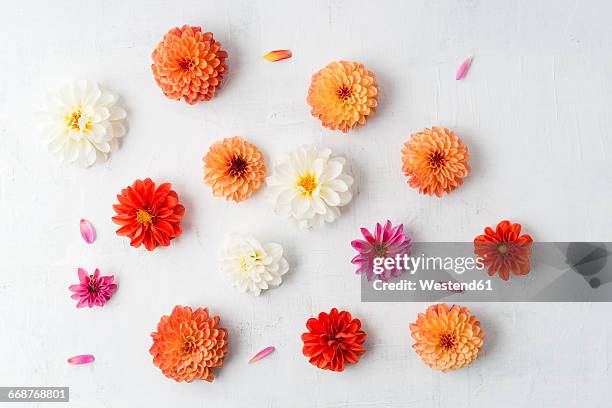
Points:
[252,266]
[310,185]
[81,123]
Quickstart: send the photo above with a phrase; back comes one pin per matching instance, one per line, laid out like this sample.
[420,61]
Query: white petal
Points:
[117,113]
[118,129]
[318,205]
[299,205]
[337,185]
[330,196]
[332,170]
[107,98]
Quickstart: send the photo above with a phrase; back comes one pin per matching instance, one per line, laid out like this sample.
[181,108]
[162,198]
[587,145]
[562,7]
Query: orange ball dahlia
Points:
[435,161]
[504,250]
[342,95]
[189,344]
[148,214]
[189,64]
[447,339]
[333,339]
[234,168]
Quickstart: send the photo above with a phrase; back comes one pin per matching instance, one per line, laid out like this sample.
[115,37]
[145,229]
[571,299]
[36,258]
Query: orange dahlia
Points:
[342,95]
[435,161]
[148,214]
[234,168]
[189,344]
[504,250]
[189,64]
[447,339]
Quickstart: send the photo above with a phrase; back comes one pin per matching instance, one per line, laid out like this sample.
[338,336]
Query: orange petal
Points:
[277,55]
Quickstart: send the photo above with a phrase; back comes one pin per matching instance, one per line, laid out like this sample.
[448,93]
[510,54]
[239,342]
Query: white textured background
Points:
[534,111]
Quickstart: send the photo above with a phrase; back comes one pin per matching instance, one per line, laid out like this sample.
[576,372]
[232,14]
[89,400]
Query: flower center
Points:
[77,121]
[92,287]
[344,92]
[437,160]
[380,249]
[237,167]
[248,260]
[189,345]
[143,217]
[502,248]
[447,341]
[186,64]
[307,184]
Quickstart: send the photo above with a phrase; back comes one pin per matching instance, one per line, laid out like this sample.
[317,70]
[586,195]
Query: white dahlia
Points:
[252,266]
[81,123]
[310,185]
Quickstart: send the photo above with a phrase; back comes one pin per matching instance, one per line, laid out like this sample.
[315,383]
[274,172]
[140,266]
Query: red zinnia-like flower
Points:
[333,339]
[148,214]
[504,250]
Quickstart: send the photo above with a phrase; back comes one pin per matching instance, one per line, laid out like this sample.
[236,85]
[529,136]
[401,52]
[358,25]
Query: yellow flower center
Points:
[307,184]
[77,121]
[502,249]
[248,259]
[143,217]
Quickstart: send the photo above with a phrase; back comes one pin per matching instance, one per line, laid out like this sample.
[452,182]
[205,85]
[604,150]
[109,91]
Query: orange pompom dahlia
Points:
[189,64]
[504,250]
[148,214]
[333,339]
[447,339]
[189,344]
[342,95]
[435,161]
[234,168]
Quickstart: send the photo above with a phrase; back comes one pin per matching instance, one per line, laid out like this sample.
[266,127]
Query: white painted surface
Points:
[534,110]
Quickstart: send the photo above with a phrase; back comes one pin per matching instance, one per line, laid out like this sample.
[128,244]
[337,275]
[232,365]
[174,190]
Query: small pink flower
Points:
[93,290]
[386,242]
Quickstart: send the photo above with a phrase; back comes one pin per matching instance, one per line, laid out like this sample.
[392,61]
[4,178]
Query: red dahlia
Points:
[504,250]
[148,214]
[333,339]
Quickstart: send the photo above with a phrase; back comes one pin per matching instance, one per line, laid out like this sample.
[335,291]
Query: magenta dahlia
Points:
[93,290]
[386,242]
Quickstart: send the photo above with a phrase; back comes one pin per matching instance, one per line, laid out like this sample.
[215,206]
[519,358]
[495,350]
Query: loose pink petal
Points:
[463,69]
[263,353]
[81,359]
[87,231]
[277,55]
